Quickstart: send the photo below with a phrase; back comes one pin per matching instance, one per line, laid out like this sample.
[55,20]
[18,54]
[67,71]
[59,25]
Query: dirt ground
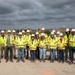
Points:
[37,68]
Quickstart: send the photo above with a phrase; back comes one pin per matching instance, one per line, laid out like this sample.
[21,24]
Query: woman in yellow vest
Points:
[61,47]
[42,47]
[52,44]
[32,46]
[72,45]
[20,43]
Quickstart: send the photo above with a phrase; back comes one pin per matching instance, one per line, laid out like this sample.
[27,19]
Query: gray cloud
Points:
[37,13]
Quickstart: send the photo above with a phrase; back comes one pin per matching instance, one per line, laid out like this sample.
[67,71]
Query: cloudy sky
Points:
[37,14]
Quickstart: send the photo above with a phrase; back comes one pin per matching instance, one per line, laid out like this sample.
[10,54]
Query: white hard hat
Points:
[58,32]
[28,30]
[43,29]
[53,30]
[32,35]
[13,31]
[73,30]
[37,32]
[61,34]
[2,31]
[23,31]
[67,29]
[20,33]
[52,33]
[42,34]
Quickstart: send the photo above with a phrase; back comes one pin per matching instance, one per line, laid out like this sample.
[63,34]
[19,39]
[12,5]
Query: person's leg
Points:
[0,56]
[22,54]
[54,54]
[27,51]
[44,53]
[51,54]
[19,55]
[66,52]
[2,52]
[72,55]
[31,54]
[7,51]
[59,55]
[34,55]
[40,49]
[62,54]
[11,53]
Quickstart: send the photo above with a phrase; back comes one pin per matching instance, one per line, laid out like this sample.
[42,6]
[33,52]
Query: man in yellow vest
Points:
[9,43]
[66,37]
[61,47]
[42,47]
[37,50]
[14,46]
[72,45]
[20,43]
[28,37]
[52,44]
[32,46]
[4,45]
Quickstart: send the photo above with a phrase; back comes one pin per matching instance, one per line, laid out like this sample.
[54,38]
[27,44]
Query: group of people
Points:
[61,45]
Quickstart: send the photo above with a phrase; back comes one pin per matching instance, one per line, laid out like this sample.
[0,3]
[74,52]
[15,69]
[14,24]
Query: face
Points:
[20,36]
[9,33]
[2,34]
[32,37]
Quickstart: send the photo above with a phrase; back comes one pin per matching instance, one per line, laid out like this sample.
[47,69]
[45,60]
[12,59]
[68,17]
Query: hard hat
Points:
[13,31]
[37,33]
[73,30]
[52,33]
[58,32]
[53,30]
[42,34]
[20,33]
[2,31]
[43,29]
[28,30]
[9,31]
[23,31]
[67,29]
[32,35]
[61,34]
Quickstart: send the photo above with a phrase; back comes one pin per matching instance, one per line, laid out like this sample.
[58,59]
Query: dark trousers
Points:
[9,48]
[72,53]
[37,53]
[32,53]
[67,49]
[27,47]
[61,55]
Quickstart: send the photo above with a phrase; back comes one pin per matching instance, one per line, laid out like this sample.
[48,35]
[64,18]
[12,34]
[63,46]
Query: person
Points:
[37,49]
[61,47]
[28,38]
[24,37]
[66,37]
[72,45]
[3,36]
[1,45]
[57,37]
[9,43]
[42,47]
[20,43]
[52,44]
[14,46]
[32,46]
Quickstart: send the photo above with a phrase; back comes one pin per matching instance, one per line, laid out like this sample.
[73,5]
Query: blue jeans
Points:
[21,53]
[42,53]
[52,53]
[32,53]
[61,55]
[72,49]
